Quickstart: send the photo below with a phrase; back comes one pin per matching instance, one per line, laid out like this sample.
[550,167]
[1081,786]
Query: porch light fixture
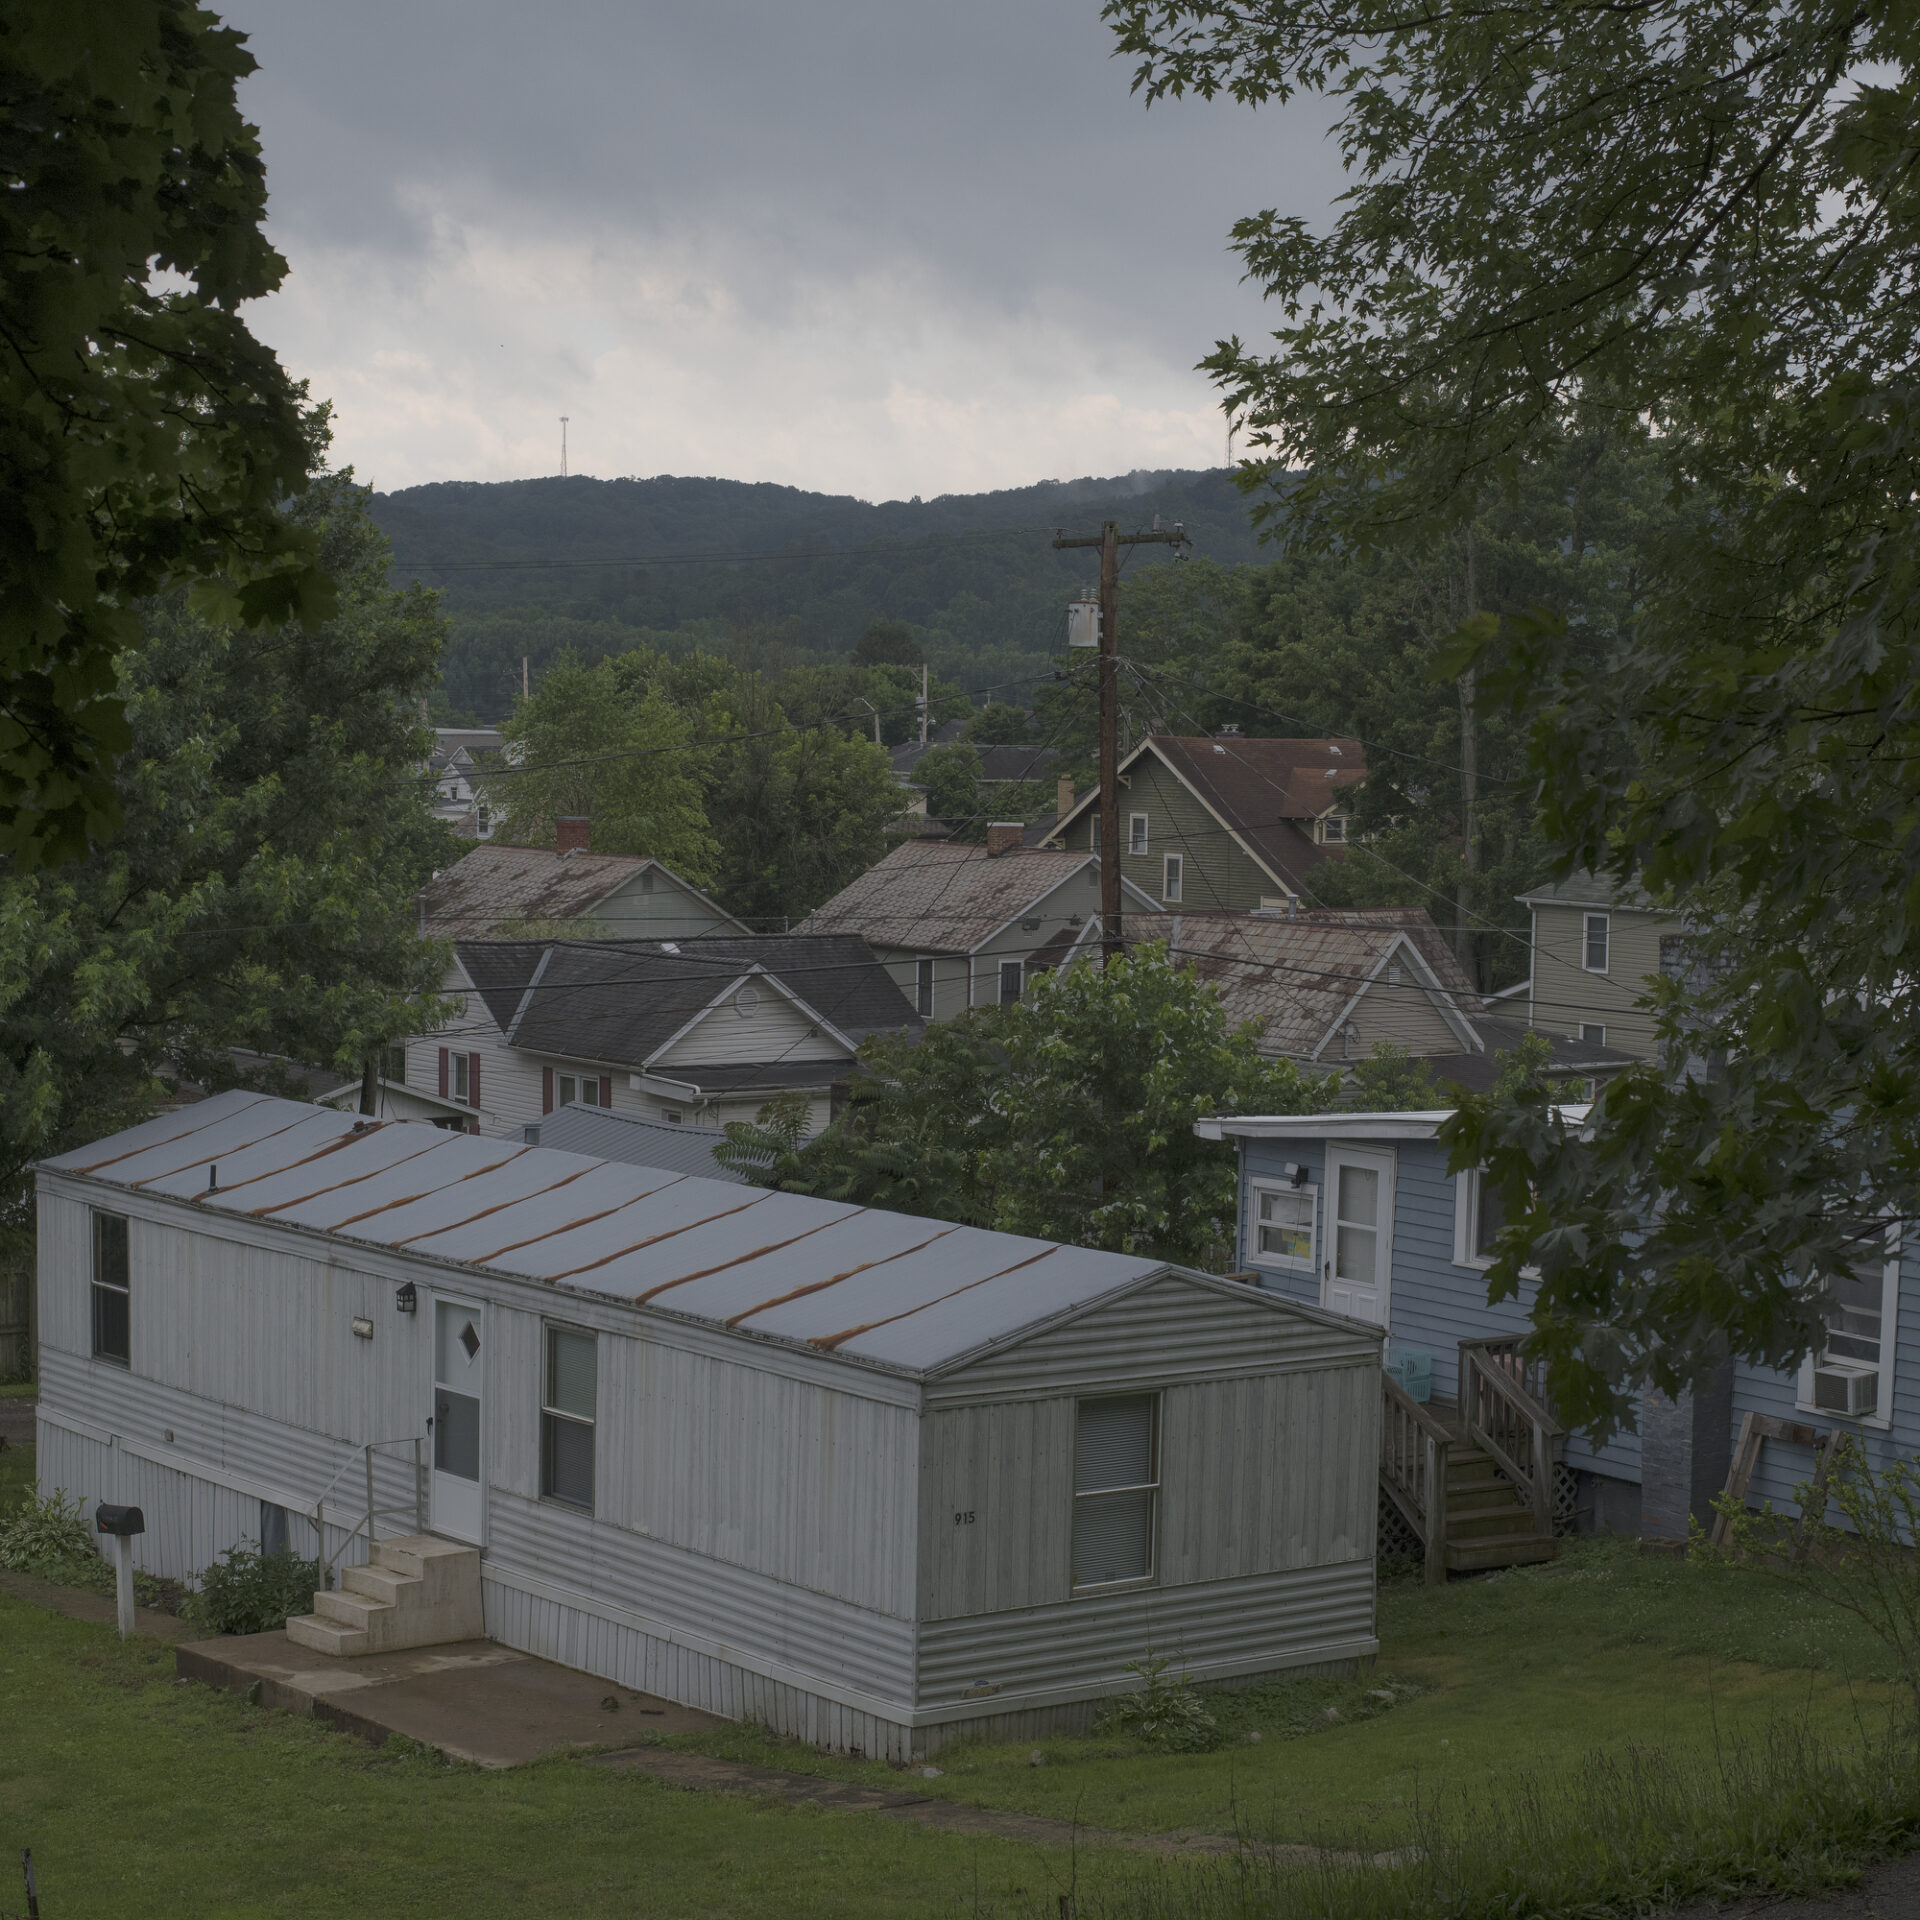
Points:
[362,1327]
[406,1298]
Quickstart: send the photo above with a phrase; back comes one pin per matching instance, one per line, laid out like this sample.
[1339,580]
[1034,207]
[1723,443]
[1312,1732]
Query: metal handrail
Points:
[1516,1427]
[373,1510]
[1414,1449]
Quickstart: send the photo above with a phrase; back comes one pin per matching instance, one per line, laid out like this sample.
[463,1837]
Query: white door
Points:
[459,1374]
[1358,1255]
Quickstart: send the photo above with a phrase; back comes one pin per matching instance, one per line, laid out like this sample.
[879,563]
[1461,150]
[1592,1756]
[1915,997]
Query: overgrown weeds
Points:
[249,1592]
[1635,1830]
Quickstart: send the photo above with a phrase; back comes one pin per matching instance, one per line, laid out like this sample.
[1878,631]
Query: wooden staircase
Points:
[1474,1481]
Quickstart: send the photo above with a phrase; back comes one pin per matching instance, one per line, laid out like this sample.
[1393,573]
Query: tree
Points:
[1682,224]
[887,643]
[602,743]
[260,894]
[1000,725]
[147,440]
[951,776]
[1068,1116]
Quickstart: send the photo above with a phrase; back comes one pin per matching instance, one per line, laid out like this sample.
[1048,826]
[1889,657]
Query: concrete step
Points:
[379,1583]
[1513,1550]
[326,1636]
[350,1609]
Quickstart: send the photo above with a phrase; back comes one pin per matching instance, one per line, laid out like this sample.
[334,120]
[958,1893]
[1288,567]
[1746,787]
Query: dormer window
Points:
[1335,829]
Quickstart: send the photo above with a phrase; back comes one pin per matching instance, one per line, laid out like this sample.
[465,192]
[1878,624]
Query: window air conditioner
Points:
[1846,1391]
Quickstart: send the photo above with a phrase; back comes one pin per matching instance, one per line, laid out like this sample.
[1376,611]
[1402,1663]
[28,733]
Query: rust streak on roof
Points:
[829,1342]
[339,1186]
[833,1280]
[177,1139]
[306,1160]
[407,1200]
[640,1299]
[467,1219]
[567,1226]
[653,1240]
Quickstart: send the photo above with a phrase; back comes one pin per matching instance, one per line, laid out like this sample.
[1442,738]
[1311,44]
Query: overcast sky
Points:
[881,247]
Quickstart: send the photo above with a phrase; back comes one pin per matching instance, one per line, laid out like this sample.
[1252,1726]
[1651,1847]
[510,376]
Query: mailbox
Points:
[119,1520]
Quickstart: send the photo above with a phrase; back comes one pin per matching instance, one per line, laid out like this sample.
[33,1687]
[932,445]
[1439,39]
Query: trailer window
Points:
[567,1413]
[1116,1484]
[112,1304]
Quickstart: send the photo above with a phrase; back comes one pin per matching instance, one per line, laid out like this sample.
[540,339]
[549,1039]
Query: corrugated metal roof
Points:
[904,1293]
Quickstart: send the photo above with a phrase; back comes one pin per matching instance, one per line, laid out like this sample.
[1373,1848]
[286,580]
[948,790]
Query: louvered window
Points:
[1116,1486]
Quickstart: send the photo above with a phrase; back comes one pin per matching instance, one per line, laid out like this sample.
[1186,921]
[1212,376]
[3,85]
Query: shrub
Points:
[49,1537]
[1166,1713]
[248,1592]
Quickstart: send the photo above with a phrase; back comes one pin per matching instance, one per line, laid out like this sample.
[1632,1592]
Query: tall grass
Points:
[1629,1831]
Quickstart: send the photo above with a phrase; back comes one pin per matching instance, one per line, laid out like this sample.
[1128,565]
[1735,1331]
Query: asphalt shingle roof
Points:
[942,896]
[620,1001]
[497,884]
[1296,973]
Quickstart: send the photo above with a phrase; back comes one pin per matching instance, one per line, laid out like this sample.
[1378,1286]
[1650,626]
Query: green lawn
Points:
[1539,1668]
[1559,1676]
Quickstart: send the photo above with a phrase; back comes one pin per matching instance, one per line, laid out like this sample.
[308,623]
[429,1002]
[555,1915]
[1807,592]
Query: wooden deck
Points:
[1474,1480]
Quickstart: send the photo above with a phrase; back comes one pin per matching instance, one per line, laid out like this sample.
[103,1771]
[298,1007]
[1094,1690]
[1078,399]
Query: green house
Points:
[1225,822]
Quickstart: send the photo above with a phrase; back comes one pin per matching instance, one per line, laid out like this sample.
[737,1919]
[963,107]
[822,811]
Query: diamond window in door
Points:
[456,1391]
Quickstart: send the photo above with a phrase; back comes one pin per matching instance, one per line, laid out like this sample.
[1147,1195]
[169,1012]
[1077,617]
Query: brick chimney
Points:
[1063,798]
[1003,836]
[570,833]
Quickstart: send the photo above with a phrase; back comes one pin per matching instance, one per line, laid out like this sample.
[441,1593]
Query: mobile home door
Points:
[1357,1259]
[459,1402]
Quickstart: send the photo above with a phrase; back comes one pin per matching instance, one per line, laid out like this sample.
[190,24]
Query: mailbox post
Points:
[120,1524]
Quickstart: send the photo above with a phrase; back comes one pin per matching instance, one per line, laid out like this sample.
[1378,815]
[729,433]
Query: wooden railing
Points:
[1504,1408]
[1413,1469]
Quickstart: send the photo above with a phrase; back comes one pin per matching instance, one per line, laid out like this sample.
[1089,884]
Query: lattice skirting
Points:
[1566,1499]
[1394,1536]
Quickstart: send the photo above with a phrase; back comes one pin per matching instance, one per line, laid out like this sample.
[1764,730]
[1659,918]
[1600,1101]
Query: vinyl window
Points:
[1116,1488]
[568,1403]
[1012,979]
[1595,941]
[112,1291]
[1593,1033]
[923,989]
[1850,1377]
[1172,872]
[584,1088]
[1336,829]
[1283,1226]
[459,1066]
[1478,1216]
[1136,833]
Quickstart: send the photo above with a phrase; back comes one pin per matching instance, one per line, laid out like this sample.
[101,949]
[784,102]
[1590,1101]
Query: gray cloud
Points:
[881,247]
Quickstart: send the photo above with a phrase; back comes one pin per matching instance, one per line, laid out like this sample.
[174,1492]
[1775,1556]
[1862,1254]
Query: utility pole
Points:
[1110,540]
[563,444]
[923,703]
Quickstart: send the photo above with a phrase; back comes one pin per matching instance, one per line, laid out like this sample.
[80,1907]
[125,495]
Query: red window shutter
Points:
[473,1079]
[606,1089]
[443,1073]
[546,1089]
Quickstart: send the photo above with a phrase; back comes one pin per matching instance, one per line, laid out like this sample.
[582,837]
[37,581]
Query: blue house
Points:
[1358,1213]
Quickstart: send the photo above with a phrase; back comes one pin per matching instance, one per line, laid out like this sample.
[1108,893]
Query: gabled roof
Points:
[618,1002]
[1265,793]
[1592,890]
[498,884]
[941,896]
[885,1290]
[1301,973]
[1342,1126]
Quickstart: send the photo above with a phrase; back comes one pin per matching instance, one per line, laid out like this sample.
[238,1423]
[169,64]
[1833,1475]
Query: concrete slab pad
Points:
[473,1700]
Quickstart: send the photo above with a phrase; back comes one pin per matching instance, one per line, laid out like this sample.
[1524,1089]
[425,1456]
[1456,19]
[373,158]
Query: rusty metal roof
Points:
[892,1290]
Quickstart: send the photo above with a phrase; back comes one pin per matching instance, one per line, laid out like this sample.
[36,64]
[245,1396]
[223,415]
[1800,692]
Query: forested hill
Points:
[532,566]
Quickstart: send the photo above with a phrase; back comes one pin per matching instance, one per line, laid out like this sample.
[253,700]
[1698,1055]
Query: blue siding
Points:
[1782,1468]
[1432,1303]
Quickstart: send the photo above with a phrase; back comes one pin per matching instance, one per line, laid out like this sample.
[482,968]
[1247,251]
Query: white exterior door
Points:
[1357,1258]
[457,1505]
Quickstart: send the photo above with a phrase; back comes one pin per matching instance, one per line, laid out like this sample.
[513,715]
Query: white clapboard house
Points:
[693,1032]
[872,1480]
